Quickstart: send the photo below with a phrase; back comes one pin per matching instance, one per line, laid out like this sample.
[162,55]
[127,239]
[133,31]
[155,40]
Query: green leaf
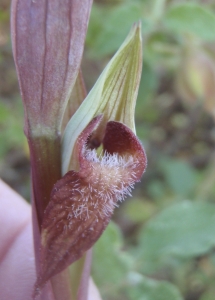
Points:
[191,18]
[156,189]
[139,210]
[208,295]
[108,34]
[180,176]
[11,128]
[110,264]
[148,289]
[184,230]
[148,85]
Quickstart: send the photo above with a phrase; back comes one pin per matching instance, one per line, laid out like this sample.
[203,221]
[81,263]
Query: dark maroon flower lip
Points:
[83,202]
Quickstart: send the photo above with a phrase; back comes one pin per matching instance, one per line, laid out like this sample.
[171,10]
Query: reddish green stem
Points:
[46,170]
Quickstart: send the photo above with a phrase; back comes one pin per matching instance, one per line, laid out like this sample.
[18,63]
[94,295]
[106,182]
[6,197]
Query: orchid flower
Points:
[80,174]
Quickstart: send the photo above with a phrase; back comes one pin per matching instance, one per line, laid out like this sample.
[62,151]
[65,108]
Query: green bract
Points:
[113,95]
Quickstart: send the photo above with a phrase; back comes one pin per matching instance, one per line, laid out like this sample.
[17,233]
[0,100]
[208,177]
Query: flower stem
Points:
[80,274]
[61,285]
[45,152]
[46,170]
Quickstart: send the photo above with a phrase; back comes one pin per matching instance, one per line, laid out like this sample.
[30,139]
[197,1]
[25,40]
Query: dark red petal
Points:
[121,140]
[82,202]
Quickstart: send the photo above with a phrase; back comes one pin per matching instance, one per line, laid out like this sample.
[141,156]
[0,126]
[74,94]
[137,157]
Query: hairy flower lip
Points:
[82,202]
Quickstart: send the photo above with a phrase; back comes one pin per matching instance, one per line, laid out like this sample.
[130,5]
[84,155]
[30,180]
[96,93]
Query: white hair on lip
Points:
[109,160]
[112,179]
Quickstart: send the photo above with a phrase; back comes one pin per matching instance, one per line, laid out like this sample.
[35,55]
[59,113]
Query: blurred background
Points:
[161,243]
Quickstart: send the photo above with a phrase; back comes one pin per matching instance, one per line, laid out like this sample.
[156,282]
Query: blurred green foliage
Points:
[182,230]
[167,249]
[12,131]
[161,245]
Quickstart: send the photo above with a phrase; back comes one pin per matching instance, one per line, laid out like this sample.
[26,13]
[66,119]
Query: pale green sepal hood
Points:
[113,95]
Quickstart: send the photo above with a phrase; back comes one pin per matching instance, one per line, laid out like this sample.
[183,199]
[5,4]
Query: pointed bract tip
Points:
[137,26]
[136,30]
[134,33]
[139,29]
